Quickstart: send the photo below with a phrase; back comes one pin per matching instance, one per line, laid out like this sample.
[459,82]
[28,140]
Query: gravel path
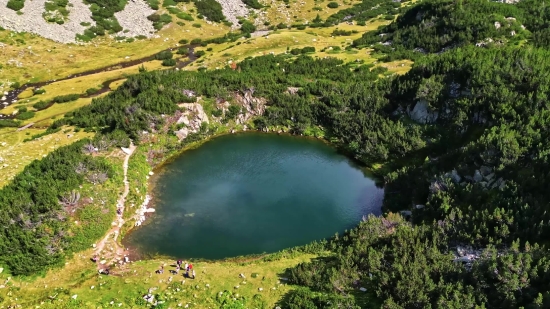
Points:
[113,233]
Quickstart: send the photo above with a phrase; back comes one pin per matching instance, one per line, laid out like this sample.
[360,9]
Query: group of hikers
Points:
[188,268]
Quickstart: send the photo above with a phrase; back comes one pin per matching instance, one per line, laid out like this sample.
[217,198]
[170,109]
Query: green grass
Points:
[16,154]
[133,280]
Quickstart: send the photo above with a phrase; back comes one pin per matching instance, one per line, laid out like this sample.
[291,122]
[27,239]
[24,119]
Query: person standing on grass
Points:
[193,274]
[186,266]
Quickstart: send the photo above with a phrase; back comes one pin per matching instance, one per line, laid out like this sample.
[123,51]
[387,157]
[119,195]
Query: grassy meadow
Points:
[130,282]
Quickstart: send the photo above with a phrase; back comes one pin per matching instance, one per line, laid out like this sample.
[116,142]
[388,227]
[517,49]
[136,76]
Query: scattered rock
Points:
[455,177]
[134,19]
[485,170]
[477,176]
[422,114]
[33,10]
[406,213]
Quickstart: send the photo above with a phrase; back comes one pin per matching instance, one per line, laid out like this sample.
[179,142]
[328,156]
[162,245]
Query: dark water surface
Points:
[252,193]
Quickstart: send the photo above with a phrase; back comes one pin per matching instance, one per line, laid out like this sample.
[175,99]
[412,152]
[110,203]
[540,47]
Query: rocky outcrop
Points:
[484,176]
[192,116]
[466,255]
[252,106]
[232,10]
[142,210]
[422,113]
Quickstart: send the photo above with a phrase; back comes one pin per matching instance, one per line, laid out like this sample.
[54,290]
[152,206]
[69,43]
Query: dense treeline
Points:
[483,185]
[40,204]
[432,26]
[364,11]
[352,107]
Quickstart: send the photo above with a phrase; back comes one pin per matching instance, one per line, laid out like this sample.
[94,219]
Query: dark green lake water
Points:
[253,193]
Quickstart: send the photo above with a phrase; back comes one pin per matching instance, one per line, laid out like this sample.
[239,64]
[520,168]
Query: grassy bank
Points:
[57,289]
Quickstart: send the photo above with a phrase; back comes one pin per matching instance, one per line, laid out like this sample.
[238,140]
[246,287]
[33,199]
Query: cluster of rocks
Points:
[466,255]
[252,106]
[232,10]
[422,113]
[142,210]
[192,116]
[134,19]
[32,20]
[484,176]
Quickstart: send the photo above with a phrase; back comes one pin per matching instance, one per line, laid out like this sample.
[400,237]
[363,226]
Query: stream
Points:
[11,96]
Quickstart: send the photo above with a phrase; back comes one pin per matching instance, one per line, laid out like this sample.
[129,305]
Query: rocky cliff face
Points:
[422,113]
[192,116]
[252,106]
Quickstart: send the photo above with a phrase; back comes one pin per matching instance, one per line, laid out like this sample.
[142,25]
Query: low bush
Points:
[25,115]
[183,51]
[332,5]
[9,123]
[253,4]
[41,105]
[66,98]
[169,62]
[15,5]
[36,91]
[248,27]
[211,9]
[185,16]
[91,91]
[153,4]
[163,55]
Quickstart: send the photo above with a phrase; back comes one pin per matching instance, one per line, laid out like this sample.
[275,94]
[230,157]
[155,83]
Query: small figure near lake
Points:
[161,270]
[193,274]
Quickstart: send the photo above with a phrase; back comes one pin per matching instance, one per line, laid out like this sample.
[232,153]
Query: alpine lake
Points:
[252,193]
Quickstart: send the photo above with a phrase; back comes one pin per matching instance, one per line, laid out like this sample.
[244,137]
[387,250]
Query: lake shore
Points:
[153,224]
